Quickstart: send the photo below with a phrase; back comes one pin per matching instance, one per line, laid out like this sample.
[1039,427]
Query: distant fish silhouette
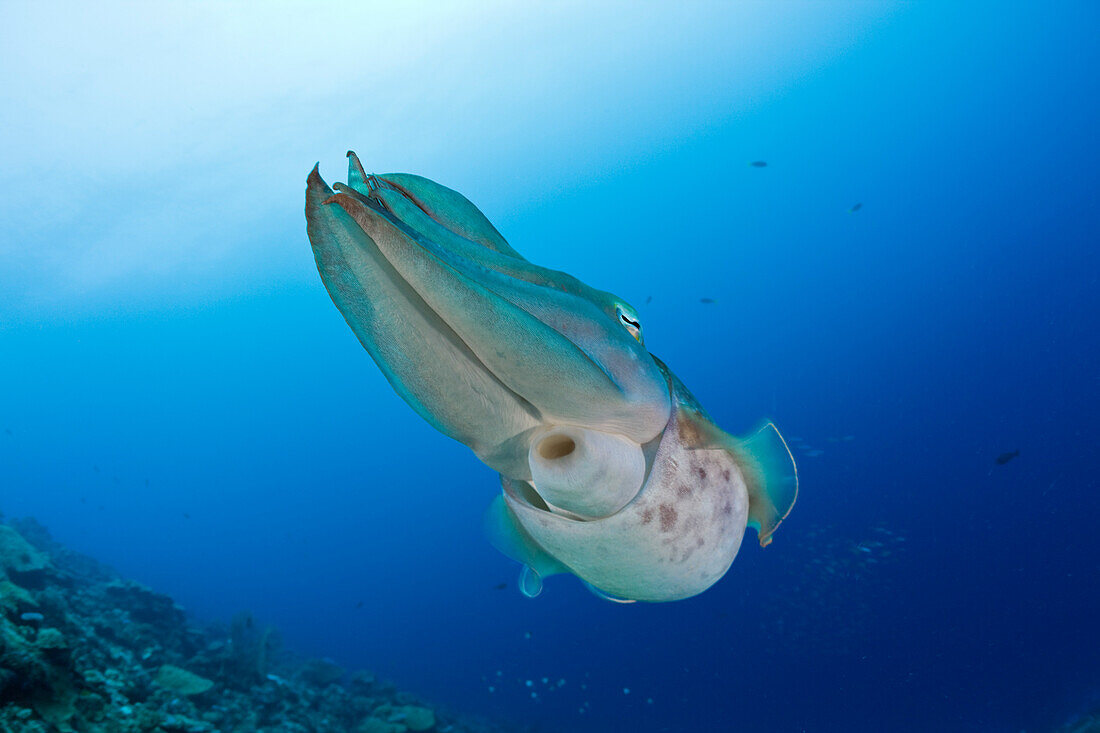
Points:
[500,586]
[648,299]
[707,300]
[759,164]
[359,604]
[855,208]
[1006,457]
[186,515]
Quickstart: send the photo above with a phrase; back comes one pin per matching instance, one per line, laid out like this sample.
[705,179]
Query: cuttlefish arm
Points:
[602,450]
[483,356]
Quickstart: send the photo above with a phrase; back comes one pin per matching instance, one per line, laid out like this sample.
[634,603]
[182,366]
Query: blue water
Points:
[182,400]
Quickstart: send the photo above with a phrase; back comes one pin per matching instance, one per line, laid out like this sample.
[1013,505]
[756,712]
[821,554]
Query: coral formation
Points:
[180,681]
[82,649]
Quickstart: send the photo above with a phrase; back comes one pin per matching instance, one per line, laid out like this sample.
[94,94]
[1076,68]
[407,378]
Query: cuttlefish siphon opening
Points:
[556,446]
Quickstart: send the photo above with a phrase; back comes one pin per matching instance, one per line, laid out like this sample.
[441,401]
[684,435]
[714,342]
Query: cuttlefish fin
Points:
[765,460]
[771,477]
[508,537]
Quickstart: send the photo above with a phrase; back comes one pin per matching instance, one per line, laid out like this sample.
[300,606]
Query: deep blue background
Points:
[235,447]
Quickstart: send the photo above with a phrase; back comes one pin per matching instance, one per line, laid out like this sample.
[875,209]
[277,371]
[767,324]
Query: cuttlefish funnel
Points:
[586,473]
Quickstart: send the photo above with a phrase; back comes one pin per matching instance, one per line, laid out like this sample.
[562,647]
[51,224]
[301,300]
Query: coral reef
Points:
[82,649]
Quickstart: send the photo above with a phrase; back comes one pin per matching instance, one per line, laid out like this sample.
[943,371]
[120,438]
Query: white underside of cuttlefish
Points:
[610,469]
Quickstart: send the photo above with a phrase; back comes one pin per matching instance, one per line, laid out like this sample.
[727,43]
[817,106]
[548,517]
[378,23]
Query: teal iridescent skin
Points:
[610,469]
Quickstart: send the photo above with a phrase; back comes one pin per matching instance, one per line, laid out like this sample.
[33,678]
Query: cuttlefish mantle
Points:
[610,469]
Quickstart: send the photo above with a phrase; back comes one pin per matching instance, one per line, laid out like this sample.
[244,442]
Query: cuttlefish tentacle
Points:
[610,469]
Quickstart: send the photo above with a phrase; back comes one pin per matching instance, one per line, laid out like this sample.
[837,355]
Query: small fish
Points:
[1006,457]
[359,604]
[759,164]
[707,300]
[186,515]
[500,586]
[855,208]
[648,299]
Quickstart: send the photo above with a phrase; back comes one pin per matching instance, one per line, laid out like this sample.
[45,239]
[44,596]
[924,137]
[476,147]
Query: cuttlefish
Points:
[610,469]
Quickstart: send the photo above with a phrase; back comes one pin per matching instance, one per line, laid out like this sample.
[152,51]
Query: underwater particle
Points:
[529,683]
[707,301]
[492,688]
[526,634]
[649,701]
[1006,457]
[758,164]
[545,680]
[32,617]
[626,690]
[534,695]
[815,453]
[561,683]
[499,673]
[854,208]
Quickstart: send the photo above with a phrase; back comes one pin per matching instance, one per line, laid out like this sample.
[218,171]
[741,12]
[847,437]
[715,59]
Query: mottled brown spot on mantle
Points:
[668,517]
[683,490]
[727,508]
[689,434]
[700,472]
[647,516]
[726,475]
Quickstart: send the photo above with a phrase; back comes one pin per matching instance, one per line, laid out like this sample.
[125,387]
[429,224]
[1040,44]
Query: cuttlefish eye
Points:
[631,322]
